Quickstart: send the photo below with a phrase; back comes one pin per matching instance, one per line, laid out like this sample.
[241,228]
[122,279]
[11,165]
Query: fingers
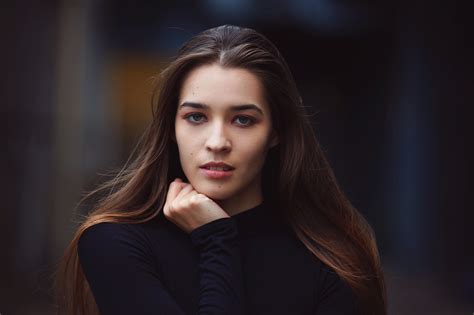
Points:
[188,188]
[177,192]
[174,189]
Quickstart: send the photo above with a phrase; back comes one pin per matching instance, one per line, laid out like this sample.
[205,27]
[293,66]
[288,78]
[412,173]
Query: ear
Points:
[274,139]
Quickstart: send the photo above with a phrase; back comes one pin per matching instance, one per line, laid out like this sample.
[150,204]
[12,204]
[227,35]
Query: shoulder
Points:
[329,279]
[333,290]
[108,239]
[110,231]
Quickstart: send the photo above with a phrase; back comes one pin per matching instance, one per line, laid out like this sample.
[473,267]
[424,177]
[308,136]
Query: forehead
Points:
[222,87]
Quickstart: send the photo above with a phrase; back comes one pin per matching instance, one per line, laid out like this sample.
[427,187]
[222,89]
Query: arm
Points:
[220,267]
[120,270]
[335,297]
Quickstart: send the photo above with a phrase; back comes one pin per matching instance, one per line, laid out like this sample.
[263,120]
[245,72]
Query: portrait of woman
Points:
[227,205]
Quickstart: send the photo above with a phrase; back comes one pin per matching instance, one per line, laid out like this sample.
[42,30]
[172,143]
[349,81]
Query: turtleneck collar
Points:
[258,219]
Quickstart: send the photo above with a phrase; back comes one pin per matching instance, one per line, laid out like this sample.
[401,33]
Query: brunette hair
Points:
[296,174]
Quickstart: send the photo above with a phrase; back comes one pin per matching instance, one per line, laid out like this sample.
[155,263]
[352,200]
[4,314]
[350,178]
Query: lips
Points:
[218,166]
[216,173]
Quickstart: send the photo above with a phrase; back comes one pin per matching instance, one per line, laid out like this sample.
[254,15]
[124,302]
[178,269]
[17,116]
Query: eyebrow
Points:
[235,108]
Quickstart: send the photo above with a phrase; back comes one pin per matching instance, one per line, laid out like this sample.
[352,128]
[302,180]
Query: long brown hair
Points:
[296,173]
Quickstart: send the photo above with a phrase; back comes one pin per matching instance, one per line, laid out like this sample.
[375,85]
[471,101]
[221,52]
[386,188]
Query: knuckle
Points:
[173,208]
[194,200]
[202,197]
[187,204]
[166,212]
[174,205]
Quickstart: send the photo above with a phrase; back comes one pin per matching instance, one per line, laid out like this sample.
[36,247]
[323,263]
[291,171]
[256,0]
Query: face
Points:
[212,125]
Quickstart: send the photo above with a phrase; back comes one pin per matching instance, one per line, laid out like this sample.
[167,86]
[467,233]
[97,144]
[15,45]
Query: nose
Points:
[217,140]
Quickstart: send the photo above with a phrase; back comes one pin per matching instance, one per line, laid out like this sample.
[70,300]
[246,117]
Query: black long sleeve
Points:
[120,270]
[251,263]
[220,266]
[335,296]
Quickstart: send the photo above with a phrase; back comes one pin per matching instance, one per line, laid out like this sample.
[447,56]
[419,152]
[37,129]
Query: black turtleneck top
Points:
[249,263]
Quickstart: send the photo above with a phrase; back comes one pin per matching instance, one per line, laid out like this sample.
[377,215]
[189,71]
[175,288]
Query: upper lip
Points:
[217,164]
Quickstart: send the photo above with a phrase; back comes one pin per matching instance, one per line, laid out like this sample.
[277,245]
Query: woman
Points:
[229,206]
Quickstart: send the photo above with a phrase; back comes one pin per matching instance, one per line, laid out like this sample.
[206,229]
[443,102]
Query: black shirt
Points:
[250,263]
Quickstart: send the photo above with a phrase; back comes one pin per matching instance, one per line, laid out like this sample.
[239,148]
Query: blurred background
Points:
[392,83]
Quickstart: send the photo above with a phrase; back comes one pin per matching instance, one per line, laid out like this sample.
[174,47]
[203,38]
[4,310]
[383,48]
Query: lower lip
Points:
[216,174]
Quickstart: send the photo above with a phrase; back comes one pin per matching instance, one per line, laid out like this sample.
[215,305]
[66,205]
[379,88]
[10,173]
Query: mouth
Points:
[218,168]
[217,172]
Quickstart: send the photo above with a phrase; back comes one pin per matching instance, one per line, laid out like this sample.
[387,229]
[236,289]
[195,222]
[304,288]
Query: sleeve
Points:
[335,297]
[123,278]
[220,266]
[121,274]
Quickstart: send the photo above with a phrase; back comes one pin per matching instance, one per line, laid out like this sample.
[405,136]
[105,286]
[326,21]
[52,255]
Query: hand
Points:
[189,209]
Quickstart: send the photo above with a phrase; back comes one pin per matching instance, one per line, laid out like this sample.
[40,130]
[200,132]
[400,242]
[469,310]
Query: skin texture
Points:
[189,209]
[238,138]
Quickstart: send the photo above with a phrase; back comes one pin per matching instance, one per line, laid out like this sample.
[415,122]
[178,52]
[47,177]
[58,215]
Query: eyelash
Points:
[251,119]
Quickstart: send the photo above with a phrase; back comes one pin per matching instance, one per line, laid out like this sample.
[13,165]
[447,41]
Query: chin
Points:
[215,190]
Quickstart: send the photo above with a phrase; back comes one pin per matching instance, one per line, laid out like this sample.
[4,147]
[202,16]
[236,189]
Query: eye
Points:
[250,120]
[192,115]
[245,121]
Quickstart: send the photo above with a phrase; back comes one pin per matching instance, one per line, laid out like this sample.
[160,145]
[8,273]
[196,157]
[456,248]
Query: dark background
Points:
[392,83]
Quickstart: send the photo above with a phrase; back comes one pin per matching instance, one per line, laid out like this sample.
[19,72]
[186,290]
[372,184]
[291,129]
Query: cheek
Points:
[185,142]
[252,152]
[187,151]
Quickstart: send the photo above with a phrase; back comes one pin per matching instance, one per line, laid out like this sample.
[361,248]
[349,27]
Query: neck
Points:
[242,207]
[242,201]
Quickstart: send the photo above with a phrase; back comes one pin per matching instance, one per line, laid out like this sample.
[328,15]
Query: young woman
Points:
[229,205]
